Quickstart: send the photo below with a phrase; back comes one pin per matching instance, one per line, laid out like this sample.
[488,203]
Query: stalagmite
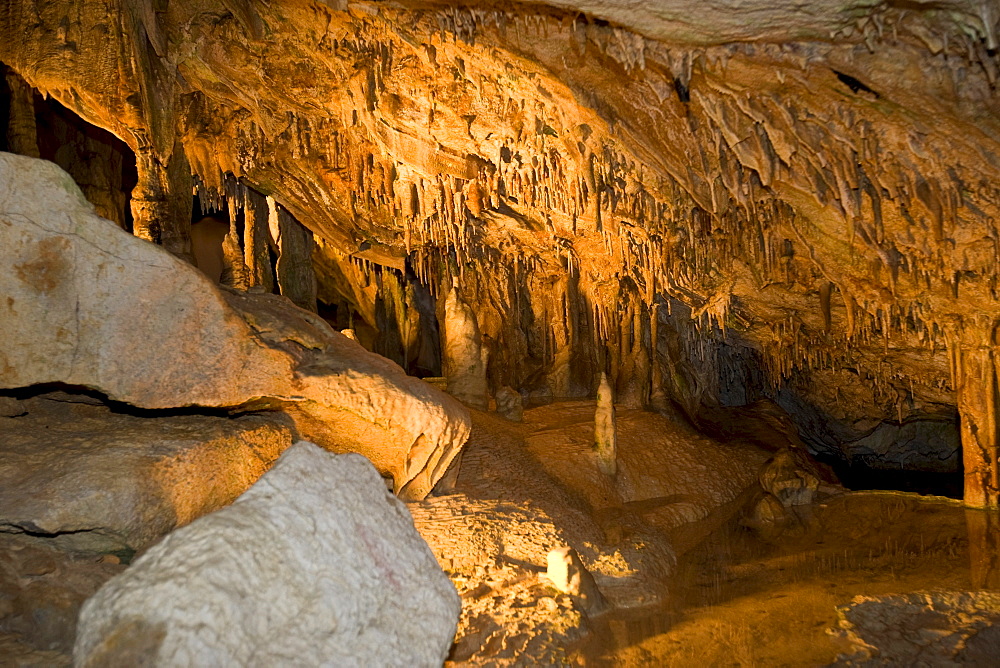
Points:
[161,201]
[462,352]
[606,429]
[235,274]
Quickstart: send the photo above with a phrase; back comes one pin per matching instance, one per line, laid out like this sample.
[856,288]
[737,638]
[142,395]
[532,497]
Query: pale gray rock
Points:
[315,565]
[84,303]
[97,480]
[566,572]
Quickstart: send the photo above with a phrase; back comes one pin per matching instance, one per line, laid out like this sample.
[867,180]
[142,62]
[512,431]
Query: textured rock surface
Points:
[87,304]
[102,481]
[566,572]
[494,535]
[41,592]
[939,628]
[463,363]
[314,565]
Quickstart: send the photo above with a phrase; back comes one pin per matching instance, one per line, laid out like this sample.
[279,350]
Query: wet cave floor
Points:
[752,597]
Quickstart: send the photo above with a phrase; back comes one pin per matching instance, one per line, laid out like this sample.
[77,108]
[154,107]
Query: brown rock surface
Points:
[934,628]
[98,480]
[525,489]
[667,472]
[41,591]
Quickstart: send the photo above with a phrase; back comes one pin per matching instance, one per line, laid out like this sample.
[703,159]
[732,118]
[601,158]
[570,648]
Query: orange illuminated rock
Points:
[97,480]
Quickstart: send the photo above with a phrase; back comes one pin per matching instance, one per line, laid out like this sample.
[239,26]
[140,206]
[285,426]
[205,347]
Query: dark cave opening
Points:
[921,454]
[101,164]
[857,476]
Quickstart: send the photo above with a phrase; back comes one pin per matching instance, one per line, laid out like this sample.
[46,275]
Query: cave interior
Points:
[614,241]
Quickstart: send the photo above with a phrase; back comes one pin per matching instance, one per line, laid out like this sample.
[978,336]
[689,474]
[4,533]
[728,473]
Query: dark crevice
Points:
[683,92]
[858,475]
[62,392]
[855,85]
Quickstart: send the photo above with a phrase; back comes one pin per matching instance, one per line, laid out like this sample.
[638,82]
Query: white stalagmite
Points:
[605,430]
[464,362]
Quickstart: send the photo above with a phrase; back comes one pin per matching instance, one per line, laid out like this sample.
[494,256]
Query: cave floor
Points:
[746,597]
[691,581]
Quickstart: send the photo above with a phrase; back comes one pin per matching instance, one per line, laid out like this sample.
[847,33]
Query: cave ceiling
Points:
[817,182]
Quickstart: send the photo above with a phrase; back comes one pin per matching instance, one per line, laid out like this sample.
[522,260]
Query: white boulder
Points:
[315,565]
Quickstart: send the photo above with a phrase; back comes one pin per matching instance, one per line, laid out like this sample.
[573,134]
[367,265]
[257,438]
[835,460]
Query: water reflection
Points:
[768,595]
[984,548]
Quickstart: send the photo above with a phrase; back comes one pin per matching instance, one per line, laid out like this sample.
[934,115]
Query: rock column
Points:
[22,133]
[294,269]
[161,200]
[256,241]
[975,371]
[463,362]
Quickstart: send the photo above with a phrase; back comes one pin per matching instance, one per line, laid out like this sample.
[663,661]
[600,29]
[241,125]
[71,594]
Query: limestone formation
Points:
[314,565]
[462,351]
[667,473]
[100,481]
[86,304]
[605,429]
[790,483]
[510,404]
[772,220]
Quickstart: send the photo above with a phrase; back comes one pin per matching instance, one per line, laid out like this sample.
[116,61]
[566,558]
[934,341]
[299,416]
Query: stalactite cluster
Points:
[607,196]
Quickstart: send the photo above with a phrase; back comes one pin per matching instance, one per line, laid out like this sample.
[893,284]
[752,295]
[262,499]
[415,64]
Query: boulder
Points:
[790,478]
[510,403]
[314,565]
[87,304]
[102,481]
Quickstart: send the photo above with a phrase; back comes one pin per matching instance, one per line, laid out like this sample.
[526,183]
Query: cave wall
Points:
[636,190]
